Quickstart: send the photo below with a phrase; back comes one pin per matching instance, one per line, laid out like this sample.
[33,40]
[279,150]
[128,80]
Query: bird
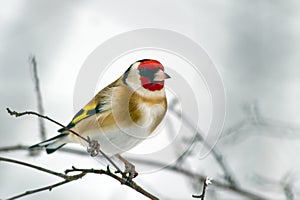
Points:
[121,115]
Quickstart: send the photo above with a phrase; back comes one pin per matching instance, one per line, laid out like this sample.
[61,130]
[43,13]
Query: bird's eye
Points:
[145,72]
[142,70]
[149,73]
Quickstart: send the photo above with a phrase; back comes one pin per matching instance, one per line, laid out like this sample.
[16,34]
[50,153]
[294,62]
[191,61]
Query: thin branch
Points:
[69,178]
[254,119]
[285,183]
[36,81]
[61,175]
[29,192]
[193,175]
[123,181]
[20,114]
[206,182]
[173,168]
[228,175]
[90,142]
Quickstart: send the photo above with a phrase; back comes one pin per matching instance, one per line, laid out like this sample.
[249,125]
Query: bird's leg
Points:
[93,148]
[129,168]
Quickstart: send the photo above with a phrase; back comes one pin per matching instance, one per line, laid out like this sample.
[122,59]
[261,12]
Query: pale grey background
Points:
[255,45]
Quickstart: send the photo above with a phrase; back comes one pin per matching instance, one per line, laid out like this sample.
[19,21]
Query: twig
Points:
[90,142]
[228,175]
[49,187]
[61,175]
[200,177]
[33,64]
[206,182]
[285,183]
[173,168]
[126,182]
[20,114]
[69,178]
[255,119]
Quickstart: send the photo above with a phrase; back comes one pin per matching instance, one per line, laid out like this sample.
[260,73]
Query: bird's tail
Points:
[54,143]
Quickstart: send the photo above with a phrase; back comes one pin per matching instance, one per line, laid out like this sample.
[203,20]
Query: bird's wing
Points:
[99,104]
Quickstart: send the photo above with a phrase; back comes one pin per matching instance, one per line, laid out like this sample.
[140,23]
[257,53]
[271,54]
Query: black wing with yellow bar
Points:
[88,111]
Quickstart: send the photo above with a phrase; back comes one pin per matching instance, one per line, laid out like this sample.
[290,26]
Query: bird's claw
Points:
[130,172]
[93,148]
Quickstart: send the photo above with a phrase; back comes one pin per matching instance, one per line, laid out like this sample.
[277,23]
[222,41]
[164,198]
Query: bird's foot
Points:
[130,172]
[93,148]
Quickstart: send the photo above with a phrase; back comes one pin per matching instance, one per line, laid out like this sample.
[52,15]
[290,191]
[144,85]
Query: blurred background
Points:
[254,44]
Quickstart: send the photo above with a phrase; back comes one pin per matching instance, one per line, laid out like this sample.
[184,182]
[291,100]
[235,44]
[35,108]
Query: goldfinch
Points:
[121,115]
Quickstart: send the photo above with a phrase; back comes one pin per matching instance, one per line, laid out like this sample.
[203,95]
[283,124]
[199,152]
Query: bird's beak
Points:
[161,75]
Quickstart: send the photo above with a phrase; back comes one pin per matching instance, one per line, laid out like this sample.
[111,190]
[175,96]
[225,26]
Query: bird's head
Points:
[146,74]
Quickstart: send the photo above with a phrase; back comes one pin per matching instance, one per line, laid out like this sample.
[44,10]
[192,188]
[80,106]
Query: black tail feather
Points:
[49,151]
[51,144]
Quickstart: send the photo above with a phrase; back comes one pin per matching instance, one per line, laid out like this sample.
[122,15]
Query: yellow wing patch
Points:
[90,109]
[84,113]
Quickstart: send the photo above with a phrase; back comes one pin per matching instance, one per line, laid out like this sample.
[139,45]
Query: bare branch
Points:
[34,167]
[61,175]
[36,81]
[20,114]
[69,178]
[174,168]
[29,192]
[228,175]
[206,182]
[123,181]
[193,175]
[90,142]
[285,183]
[255,119]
